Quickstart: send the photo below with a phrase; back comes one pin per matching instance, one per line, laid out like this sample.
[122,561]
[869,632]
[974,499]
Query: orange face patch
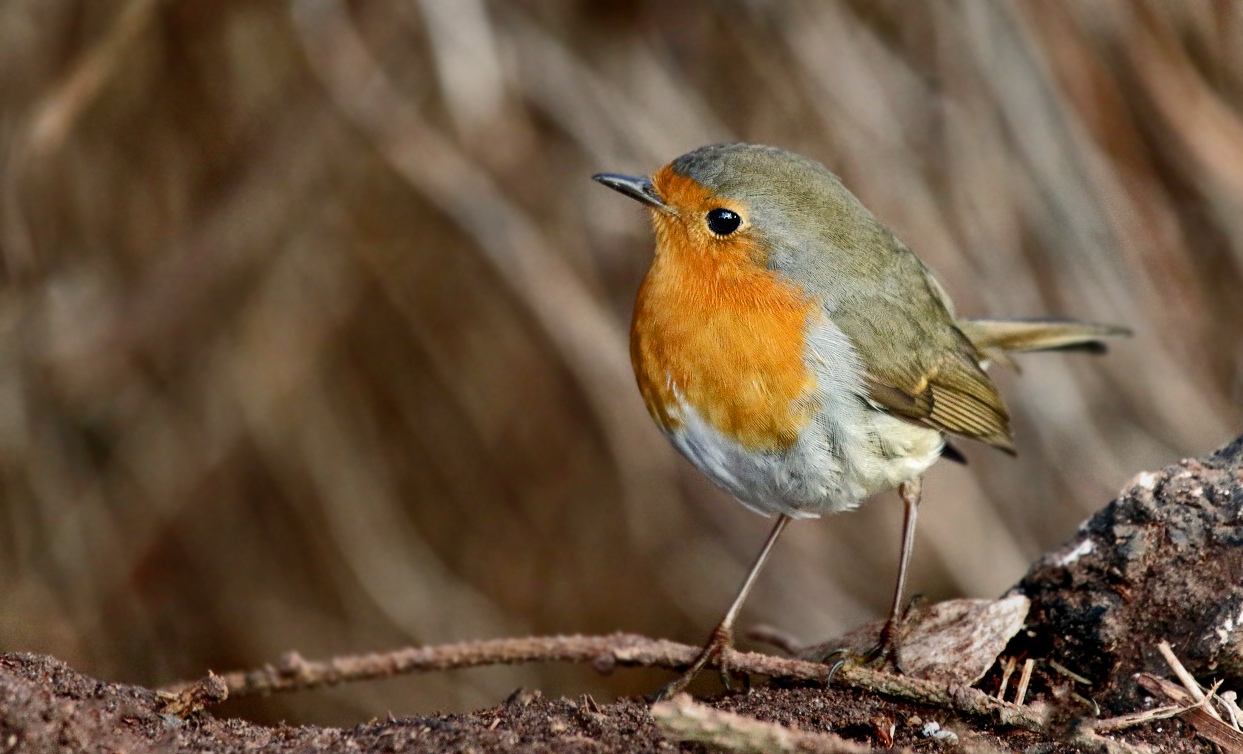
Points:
[712,325]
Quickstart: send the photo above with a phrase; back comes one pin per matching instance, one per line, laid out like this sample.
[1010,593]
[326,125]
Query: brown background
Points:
[313,328]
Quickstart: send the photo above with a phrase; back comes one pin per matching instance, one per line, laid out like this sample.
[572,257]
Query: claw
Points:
[828,679]
[717,648]
[884,654]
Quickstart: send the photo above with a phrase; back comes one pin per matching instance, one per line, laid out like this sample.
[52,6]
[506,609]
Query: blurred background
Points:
[313,326]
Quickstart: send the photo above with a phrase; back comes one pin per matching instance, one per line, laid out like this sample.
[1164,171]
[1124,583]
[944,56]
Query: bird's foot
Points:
[718,649]
[884,655]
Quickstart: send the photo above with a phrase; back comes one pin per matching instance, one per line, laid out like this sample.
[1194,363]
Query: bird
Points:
[801,356]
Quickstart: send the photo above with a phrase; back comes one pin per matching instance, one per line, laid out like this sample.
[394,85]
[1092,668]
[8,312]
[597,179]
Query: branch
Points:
[605,653]
[682,719]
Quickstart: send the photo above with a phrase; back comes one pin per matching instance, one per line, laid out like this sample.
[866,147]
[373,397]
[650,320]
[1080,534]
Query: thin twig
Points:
[1088,739]
[682,719]
[605,653]
[1188,682]
[1228,700]
[1011,662]
[1020,693]
[1072,675]
[1229,740]
[1131,719]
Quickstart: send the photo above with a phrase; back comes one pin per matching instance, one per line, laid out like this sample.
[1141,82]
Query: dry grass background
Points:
[312,327]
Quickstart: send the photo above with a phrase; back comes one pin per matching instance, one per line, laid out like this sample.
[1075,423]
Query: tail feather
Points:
[996,337]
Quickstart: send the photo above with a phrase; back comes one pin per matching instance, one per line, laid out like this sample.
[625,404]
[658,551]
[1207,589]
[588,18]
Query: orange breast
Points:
[716,328]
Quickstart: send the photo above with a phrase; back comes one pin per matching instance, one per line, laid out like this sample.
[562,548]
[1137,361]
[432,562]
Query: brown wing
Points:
[916,363]
[953,396]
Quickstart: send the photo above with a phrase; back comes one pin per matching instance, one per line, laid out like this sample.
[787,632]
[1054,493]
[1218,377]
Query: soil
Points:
[1163,561]
[47,707]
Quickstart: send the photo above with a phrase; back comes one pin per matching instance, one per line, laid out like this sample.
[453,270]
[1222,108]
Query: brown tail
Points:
[997,337]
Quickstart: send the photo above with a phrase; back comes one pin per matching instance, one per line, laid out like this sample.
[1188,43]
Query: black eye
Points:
[722,221]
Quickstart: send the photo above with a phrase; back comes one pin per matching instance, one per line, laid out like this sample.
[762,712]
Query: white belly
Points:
[832,467]
[848,452]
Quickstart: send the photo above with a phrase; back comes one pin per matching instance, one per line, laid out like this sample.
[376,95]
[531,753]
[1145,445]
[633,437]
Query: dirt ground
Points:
[1162,562]
[46,706]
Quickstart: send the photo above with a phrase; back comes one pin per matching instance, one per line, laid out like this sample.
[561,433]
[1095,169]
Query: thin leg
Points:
[722,638]
[887,647]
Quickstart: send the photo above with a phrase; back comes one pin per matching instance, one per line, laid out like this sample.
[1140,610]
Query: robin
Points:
[801,356]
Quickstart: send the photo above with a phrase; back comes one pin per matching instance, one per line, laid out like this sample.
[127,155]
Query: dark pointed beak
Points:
[635,187]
